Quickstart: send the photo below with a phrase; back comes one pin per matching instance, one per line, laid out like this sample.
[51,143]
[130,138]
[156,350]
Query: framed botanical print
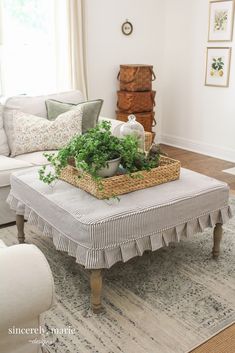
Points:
[221,21]
[218,66]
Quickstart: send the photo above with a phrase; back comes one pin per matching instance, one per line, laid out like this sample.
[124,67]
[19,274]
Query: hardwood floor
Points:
[203,164]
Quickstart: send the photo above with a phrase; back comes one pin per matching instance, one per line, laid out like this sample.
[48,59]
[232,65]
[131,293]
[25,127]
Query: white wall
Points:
[172,36]
[194,116]
[107,47]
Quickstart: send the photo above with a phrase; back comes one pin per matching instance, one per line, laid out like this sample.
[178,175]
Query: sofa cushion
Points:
[4,148]
[9,165]
[91,111]
[35,158]
[32,133]
[35,106]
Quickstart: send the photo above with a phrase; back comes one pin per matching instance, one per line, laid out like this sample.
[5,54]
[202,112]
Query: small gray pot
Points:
[111,169]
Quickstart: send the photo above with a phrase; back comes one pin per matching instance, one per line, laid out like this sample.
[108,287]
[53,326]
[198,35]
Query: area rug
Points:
[168,301]
[223,342]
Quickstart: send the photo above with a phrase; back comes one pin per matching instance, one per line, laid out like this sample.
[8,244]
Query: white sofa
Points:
[26,291]
[35,106]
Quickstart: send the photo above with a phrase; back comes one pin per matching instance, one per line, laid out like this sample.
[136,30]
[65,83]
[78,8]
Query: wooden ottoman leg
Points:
[218,232]
[20,228]
[96,290]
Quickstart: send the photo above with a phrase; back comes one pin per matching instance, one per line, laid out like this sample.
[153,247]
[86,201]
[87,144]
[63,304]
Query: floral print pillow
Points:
[32,133]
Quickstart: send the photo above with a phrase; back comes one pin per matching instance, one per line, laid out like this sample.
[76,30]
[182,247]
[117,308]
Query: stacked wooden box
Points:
[136,95]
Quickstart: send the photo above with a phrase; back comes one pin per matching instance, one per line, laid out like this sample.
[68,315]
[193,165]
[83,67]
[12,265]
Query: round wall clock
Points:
[127,28]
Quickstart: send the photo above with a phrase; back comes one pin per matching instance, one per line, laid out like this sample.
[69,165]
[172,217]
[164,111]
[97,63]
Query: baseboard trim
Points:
[226,154]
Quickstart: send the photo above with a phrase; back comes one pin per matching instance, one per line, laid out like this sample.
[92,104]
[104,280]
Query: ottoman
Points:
[99,233]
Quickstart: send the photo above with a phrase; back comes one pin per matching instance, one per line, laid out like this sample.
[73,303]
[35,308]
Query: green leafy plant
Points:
[92,151]
[217,64]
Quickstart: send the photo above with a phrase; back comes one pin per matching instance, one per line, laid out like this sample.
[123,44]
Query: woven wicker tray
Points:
[168,170]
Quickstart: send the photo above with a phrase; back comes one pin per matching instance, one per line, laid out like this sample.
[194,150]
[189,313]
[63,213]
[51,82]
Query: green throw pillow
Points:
[91,111]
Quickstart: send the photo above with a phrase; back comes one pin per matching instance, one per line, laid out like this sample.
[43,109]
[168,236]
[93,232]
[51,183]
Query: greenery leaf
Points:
[91,152]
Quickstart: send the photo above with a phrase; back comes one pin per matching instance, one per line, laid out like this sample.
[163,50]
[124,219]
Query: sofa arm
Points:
[26,284]
[115,125]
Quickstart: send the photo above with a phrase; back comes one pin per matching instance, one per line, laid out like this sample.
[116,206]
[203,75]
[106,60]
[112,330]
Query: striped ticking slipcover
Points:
[99,233]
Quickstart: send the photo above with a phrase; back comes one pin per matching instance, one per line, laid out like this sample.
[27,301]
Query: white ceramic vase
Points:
[111,169]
